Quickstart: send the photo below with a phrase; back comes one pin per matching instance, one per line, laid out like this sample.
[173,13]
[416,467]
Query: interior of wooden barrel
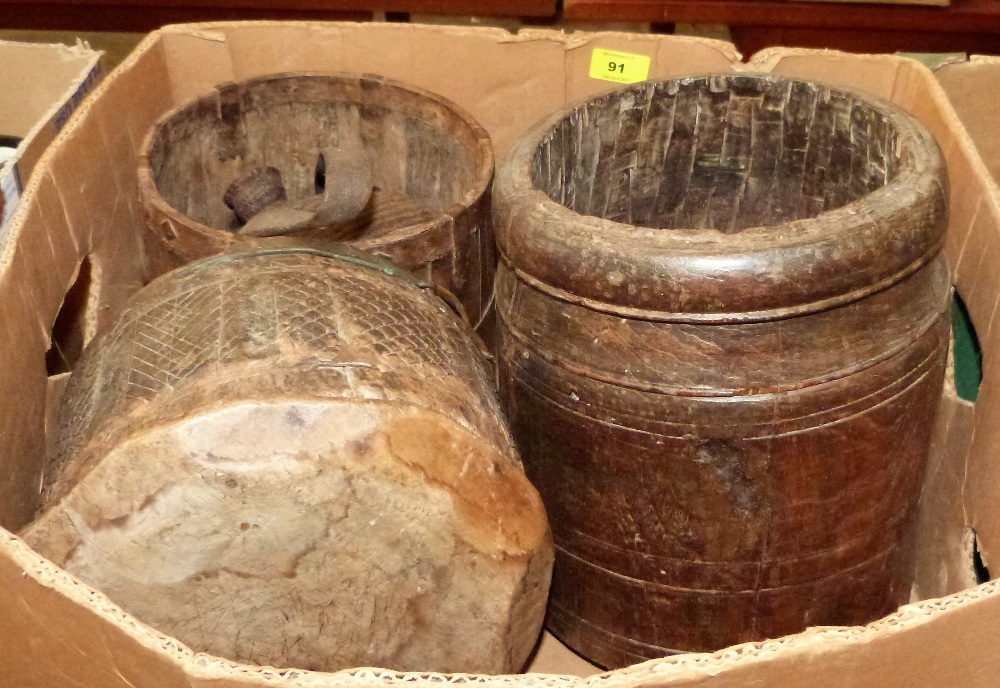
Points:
[426,158]
[724,153]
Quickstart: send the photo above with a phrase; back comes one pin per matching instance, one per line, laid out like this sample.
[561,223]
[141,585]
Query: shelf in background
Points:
[146,15]
[964,26]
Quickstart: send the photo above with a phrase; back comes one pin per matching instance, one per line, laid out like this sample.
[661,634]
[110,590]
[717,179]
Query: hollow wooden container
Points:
[722,308]
[432,169]
[288,457]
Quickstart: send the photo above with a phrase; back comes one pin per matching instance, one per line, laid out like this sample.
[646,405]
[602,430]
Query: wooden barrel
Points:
[290,458]
[722,307]
[431,165]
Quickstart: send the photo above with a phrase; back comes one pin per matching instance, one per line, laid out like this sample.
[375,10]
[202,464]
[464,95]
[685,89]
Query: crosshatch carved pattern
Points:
[295,311]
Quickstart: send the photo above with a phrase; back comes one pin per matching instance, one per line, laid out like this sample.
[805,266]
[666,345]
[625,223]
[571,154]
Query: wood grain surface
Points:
[147,15]
[971,26]
[142,18]
[722,342]
[431,168]
[287,459]
[962,16]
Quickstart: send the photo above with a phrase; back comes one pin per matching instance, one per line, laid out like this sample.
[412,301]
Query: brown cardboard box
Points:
[972,88]
[82,209]
[40,87]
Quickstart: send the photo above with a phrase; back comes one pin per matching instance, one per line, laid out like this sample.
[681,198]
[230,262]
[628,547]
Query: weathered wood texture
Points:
[721,344]
[432,168]
[298,461]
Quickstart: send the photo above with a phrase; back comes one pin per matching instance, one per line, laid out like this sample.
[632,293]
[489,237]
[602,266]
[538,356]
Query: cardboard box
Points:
[40,87]
[81,216]
[971,86]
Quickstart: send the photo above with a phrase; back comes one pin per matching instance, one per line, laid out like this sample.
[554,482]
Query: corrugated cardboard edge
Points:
[63,132]
[808,646]
[803,655]
[976,217]
[977,107]
[45,129]
[210,33]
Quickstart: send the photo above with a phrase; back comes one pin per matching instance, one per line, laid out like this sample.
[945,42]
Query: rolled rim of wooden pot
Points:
[418,101]
[759,273]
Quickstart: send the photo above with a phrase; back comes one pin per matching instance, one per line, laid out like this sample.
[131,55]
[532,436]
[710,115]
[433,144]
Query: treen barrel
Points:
[723,330]
[295,457]
[427,166]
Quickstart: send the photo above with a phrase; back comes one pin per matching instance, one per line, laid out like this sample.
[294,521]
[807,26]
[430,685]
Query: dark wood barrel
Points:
[723,331]
[285,456]
[431,165]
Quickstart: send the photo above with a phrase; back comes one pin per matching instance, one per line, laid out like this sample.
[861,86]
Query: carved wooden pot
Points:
[289,458]
[430,162]
[721,345]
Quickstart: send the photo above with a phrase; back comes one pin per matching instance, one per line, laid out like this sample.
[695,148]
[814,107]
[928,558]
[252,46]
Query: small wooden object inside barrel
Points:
[431,166]
[288,457]
[723,328]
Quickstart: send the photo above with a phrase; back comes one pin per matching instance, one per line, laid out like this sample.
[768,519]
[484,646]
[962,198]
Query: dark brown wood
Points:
[288,457]
[723,328]
[751,39]
[966,16]
[529,8]
[431,164]
[147,17]
[254,191]
[964,26]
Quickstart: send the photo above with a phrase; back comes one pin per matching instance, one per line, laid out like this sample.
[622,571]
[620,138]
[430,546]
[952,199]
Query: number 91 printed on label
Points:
[622,68]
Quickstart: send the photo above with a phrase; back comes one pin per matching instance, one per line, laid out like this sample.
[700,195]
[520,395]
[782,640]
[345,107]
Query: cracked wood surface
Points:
[431,170]
[722,338]
[296,461]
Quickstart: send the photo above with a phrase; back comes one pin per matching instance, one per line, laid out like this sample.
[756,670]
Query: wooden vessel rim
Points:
[545,241]
[484,151]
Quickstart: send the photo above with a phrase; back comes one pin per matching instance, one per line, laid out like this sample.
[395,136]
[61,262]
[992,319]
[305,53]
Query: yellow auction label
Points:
[622,68]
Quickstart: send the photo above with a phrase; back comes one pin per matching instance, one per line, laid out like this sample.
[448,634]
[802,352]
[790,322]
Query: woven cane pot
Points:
[723,331]
[430,163]
[288,457]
